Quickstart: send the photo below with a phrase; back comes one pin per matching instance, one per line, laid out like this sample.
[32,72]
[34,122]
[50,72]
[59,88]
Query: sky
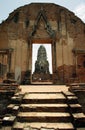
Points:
[8,6]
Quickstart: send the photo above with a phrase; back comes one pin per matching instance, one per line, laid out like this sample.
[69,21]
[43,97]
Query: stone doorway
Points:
[42,69]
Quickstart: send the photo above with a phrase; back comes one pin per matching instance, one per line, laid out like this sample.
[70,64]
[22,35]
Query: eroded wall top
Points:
[21,22]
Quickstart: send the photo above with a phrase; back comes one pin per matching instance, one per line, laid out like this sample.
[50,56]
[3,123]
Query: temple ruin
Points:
[42,69]
[46,24]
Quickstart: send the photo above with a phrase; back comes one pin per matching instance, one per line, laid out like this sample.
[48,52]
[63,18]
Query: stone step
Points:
[43,126]
[72,99]
[79,119]
[43,88]
[13,109]
[16,99]
[75,108]
[44,108]
[6,128]
[8,120]
[68,93]
[43,117]
[43,98]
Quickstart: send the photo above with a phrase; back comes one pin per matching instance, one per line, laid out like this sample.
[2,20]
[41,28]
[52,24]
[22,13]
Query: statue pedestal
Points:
[41,77]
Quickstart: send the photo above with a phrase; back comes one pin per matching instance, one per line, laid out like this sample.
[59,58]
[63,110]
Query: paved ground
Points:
[43,88]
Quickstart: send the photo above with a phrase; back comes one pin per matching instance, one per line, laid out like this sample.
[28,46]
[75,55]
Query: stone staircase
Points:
[44,110]
[75,110]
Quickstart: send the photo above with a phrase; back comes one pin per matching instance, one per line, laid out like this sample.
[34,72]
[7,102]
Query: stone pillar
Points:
[9,59]
[30,55]
[29,62]
[55,75]
[63,23]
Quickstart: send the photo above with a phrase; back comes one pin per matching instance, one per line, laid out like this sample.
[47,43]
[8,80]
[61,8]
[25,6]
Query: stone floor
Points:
[43,88]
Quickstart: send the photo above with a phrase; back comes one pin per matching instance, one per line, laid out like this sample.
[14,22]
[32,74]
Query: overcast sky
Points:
[7,6]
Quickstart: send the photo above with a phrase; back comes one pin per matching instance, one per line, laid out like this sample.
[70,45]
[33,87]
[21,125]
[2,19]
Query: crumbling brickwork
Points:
[44,23]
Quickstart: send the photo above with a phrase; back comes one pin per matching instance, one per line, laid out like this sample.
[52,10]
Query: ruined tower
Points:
[42,64]
[41,72]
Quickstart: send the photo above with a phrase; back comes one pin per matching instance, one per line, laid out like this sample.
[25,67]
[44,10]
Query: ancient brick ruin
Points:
[43,24]
[39,30]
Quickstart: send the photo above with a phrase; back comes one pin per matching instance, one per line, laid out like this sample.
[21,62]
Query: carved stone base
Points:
[41,77]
